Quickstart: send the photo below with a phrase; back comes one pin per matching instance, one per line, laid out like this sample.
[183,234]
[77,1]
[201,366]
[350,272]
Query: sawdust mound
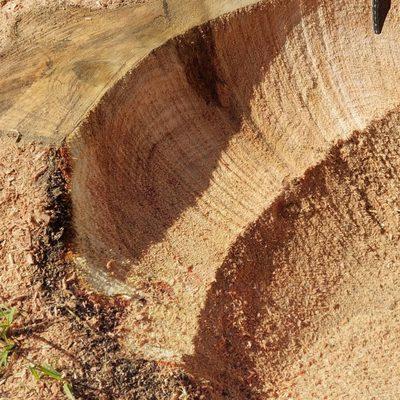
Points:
[306,304]
[208,138]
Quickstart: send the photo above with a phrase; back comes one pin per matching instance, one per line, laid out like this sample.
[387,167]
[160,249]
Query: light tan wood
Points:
[63,62]
[239,181]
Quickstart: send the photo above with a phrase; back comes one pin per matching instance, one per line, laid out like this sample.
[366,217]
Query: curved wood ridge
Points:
[63,62]
[235,172]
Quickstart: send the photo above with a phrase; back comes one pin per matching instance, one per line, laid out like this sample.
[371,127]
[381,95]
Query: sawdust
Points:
[187,151]
[58,322]
[24,218]
[306,303]
[166,187]
[237,194]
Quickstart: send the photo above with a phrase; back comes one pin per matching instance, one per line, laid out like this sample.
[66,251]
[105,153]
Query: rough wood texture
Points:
[63,61]
[239,181]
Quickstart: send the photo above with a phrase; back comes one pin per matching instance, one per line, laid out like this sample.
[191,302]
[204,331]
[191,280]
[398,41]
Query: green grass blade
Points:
[4,358]
[36,374]
[5,353]
[10,315]
[49,371]
[68,391]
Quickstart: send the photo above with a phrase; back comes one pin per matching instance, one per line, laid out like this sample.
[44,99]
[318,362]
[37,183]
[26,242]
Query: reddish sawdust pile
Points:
[196,142]
[306,305]
[58,323]
[23,202]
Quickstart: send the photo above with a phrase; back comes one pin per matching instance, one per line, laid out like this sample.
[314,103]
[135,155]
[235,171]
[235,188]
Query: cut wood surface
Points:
[63,61]
[235,174]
